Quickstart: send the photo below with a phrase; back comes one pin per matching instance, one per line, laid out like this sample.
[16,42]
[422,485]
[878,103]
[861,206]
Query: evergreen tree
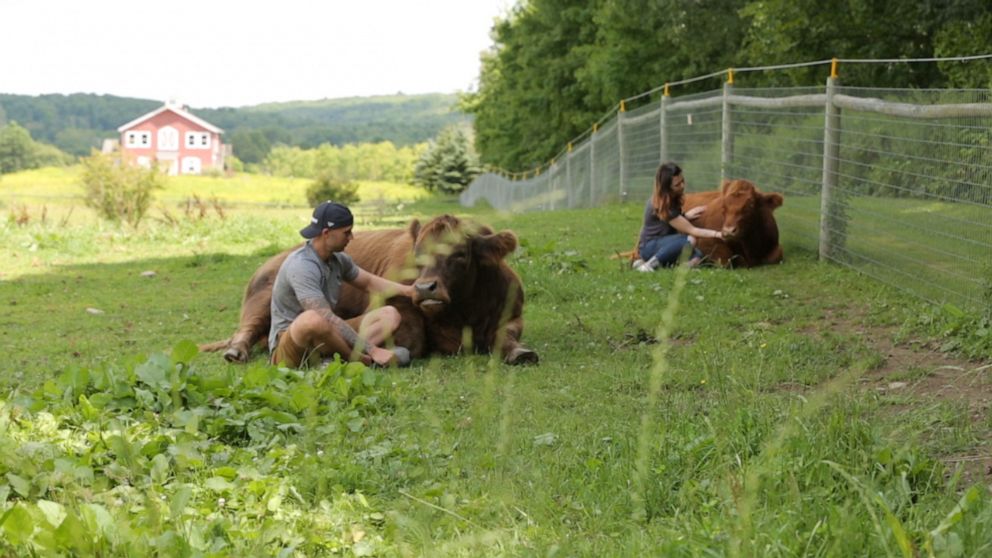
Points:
[448,165]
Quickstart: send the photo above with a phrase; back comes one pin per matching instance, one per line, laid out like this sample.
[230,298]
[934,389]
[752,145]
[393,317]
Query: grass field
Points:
[55,192]
[793,410]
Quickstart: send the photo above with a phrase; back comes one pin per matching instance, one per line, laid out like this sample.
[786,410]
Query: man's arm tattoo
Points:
[347,332]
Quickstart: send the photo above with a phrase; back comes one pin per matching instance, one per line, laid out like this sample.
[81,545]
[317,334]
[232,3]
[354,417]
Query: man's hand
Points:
[695,212]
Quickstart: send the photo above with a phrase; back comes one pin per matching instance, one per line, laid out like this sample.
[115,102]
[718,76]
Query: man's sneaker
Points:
[637,263]
[402,356]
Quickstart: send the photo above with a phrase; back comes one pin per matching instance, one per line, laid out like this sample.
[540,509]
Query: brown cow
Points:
[745,215]
[465,291]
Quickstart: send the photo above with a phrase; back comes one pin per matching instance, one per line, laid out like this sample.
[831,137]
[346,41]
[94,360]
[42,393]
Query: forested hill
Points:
[75,123]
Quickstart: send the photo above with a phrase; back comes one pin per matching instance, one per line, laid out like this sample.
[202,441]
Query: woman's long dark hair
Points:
[663,199]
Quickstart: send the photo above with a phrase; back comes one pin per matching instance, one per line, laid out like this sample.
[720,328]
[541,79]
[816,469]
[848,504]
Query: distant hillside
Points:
[76,123]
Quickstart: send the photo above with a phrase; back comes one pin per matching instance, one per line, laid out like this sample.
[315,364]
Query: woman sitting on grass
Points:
[666,229]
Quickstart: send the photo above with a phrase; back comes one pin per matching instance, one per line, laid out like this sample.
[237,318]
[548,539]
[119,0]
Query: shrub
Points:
[328,187]
[117,189]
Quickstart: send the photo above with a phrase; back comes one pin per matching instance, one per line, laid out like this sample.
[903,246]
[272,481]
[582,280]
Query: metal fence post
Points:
[727,131]
[831,158]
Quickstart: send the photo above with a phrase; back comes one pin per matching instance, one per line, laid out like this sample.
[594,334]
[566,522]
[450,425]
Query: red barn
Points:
[175,139]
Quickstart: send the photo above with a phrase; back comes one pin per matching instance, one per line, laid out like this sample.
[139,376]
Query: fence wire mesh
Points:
[910,190]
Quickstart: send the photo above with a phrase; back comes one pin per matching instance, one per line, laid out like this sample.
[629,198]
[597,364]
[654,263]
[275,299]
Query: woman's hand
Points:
[695,212]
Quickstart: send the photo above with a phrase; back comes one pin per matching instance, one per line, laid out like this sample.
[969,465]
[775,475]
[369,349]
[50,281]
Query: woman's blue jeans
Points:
[666,249]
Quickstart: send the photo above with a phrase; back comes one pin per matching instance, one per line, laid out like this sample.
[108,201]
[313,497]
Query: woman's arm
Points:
[683,225]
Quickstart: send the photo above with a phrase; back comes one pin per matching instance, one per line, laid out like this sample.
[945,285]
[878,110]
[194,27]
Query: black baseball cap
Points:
[328,215]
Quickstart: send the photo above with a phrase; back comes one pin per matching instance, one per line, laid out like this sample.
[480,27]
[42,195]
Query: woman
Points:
[666,229]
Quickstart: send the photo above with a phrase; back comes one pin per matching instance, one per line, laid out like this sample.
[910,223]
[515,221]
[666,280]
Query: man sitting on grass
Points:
[306,290]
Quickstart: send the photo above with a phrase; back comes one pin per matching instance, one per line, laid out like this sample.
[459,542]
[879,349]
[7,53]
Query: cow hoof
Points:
[235,356]
[521,355]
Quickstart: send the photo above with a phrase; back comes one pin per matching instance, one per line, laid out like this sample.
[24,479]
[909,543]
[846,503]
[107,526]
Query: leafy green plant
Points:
[155,457]
[116,189]
[328,187]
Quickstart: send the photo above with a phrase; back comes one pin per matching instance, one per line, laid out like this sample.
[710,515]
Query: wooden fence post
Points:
[663,128]
[727,132]
[831,159]
[620,147]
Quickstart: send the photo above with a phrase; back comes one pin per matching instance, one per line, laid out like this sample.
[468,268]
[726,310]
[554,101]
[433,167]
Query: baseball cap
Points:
[328,215]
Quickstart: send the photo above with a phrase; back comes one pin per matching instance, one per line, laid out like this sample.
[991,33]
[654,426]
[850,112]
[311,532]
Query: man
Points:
[306,290]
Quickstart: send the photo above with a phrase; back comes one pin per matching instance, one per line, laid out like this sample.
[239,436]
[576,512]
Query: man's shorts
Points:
[288,352]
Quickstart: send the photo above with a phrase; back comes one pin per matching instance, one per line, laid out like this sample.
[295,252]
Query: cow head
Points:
[743,204]
[450,254]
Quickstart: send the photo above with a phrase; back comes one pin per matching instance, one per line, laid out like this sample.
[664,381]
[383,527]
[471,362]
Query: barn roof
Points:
[185,114]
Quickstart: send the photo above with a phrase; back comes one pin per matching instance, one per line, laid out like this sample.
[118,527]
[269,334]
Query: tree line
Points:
[79,122]
[557,66]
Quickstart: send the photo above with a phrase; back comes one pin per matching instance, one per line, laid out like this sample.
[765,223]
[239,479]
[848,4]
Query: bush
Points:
[327,187]
[118,190]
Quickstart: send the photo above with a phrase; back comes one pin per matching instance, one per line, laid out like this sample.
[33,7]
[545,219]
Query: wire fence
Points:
[894,183]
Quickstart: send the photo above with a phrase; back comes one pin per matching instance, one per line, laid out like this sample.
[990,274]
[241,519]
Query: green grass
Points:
[751,429]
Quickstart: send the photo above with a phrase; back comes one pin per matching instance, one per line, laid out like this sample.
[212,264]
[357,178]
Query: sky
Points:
[213,53]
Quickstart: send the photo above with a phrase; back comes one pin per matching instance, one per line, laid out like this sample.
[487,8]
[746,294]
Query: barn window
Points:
[138,139]
[191,165]
[197,140]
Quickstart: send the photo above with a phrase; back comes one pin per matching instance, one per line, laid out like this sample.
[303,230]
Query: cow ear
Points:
[492,248]
[414,229]
[724,185]
[774,200]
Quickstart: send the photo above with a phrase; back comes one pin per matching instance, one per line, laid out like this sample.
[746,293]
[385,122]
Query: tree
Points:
[448,165]
[558,66]
[17,149]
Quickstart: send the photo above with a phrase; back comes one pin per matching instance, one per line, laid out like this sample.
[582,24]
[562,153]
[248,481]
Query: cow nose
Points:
[424,289]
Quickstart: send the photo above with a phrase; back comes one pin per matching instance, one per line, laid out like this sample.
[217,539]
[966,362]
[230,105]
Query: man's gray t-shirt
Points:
[304,275]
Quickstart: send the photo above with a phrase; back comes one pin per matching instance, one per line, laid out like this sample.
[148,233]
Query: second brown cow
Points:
[746,217]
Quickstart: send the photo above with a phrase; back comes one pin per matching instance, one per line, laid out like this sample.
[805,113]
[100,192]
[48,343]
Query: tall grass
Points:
[704,412]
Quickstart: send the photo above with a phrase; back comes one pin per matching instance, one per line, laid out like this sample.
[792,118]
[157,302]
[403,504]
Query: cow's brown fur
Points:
[746,217]
[477,299]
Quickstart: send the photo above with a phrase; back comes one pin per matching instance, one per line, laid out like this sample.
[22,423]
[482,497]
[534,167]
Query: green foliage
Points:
[156,457]
[327,187]
[19,152]
[117,189]
[363,161]
[559,66]
[448,165]
[965,38]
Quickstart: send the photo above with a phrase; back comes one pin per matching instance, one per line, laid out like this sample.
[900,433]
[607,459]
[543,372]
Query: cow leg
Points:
[512,351]
[256,317]
[775,256]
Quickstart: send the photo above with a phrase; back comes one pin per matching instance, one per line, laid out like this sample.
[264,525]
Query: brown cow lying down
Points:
[745,215]
[465,291]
